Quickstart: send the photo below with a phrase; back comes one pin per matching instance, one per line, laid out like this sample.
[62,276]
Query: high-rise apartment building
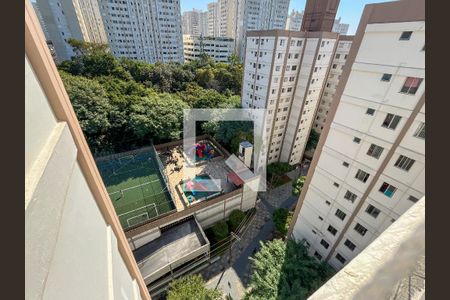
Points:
[369,166]
[195,22]
[341,28]
[285,72]
[218,48]
[40,18]
[337,66]
[148,30]
[213,19]
[319,15]
[65,19]
[259,15]
[294,20]
[74,245]
[227,18]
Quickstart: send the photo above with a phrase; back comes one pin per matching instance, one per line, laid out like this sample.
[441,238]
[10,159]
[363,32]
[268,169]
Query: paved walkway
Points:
[234,280]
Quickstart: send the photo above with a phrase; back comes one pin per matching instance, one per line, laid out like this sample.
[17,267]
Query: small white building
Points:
[218,48]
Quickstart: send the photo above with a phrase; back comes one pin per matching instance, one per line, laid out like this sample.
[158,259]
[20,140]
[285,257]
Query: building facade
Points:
[285,72]
[339,27]
[369,166]
[195,22]
[319,15]
[65,19]
[74,244]
[213,19]
[134,32]
[294,20]
[258,15]
[218,48]
[337,65]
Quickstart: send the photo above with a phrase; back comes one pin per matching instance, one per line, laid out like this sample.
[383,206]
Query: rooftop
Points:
[175,243]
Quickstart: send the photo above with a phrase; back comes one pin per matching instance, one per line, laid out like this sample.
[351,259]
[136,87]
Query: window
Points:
[340,258]
[350,196]
[420,132]
[317,255]
[360,229]
[370,111]
[318,57]
[338,56]
[386,77]
[375,151]
[345,57]
[332,230]
[320,218]
[387,189]
[336,184]
[280,55]
[373,211]
[413,199]
[391,121]
[294,68]
[406,36]
[362,176]
[277,68]
[411,85]
[299,43]
[404,163]
[324,244]
[327,202]
[349,245]
[281,42]
[323,44]
[340,214]
[334,66]
[356,140]
[345,164]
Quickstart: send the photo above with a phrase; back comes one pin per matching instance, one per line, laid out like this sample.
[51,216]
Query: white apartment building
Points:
[65,19]
[294,20]
[369,166]
[148,30]
[341,28]
[40,18]
[285,72]
[258,15]
[218,48]
[195,22]
[227,18]
[213,19]
[337,65]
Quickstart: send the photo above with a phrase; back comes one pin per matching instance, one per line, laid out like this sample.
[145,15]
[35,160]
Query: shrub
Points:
[297,185]
[235,219]
[278,168]
[220,230]
[191,287]
[282,218]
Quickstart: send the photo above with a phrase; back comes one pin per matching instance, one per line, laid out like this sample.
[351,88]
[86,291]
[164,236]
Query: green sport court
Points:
[136,185]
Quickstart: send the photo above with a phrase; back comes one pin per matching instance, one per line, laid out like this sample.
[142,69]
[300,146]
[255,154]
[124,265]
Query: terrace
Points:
[212,176]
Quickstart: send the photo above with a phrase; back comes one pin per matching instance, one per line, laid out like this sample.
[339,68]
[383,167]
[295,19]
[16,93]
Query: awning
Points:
[235,179]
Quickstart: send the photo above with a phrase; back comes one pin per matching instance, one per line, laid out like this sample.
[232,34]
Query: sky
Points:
[350,11]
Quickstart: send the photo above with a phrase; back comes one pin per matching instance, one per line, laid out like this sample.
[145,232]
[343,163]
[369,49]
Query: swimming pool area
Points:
[202,187]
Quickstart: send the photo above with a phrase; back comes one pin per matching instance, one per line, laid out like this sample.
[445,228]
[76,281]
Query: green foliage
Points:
[220,230]
[312,140]
[235,219]
[278,168]
[285,271]
[191,287]
[122,104]
[282,218]
[297,185]
[230,133]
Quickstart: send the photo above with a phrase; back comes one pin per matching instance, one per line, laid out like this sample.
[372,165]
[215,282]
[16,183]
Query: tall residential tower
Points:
[148,30]
[369,166]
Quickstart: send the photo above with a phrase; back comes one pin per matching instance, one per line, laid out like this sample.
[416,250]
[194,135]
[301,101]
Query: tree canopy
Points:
[281,219]
[122,104]
[297,185]
[285,271]
[312,140]
[191,287]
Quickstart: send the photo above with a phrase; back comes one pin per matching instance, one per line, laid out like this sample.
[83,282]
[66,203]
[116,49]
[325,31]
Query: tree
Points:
[282,218]
[220,230]
[312,140]
[230,133]
[297,185]
[285,271]
[235,219]
[278,168]
[191,287]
